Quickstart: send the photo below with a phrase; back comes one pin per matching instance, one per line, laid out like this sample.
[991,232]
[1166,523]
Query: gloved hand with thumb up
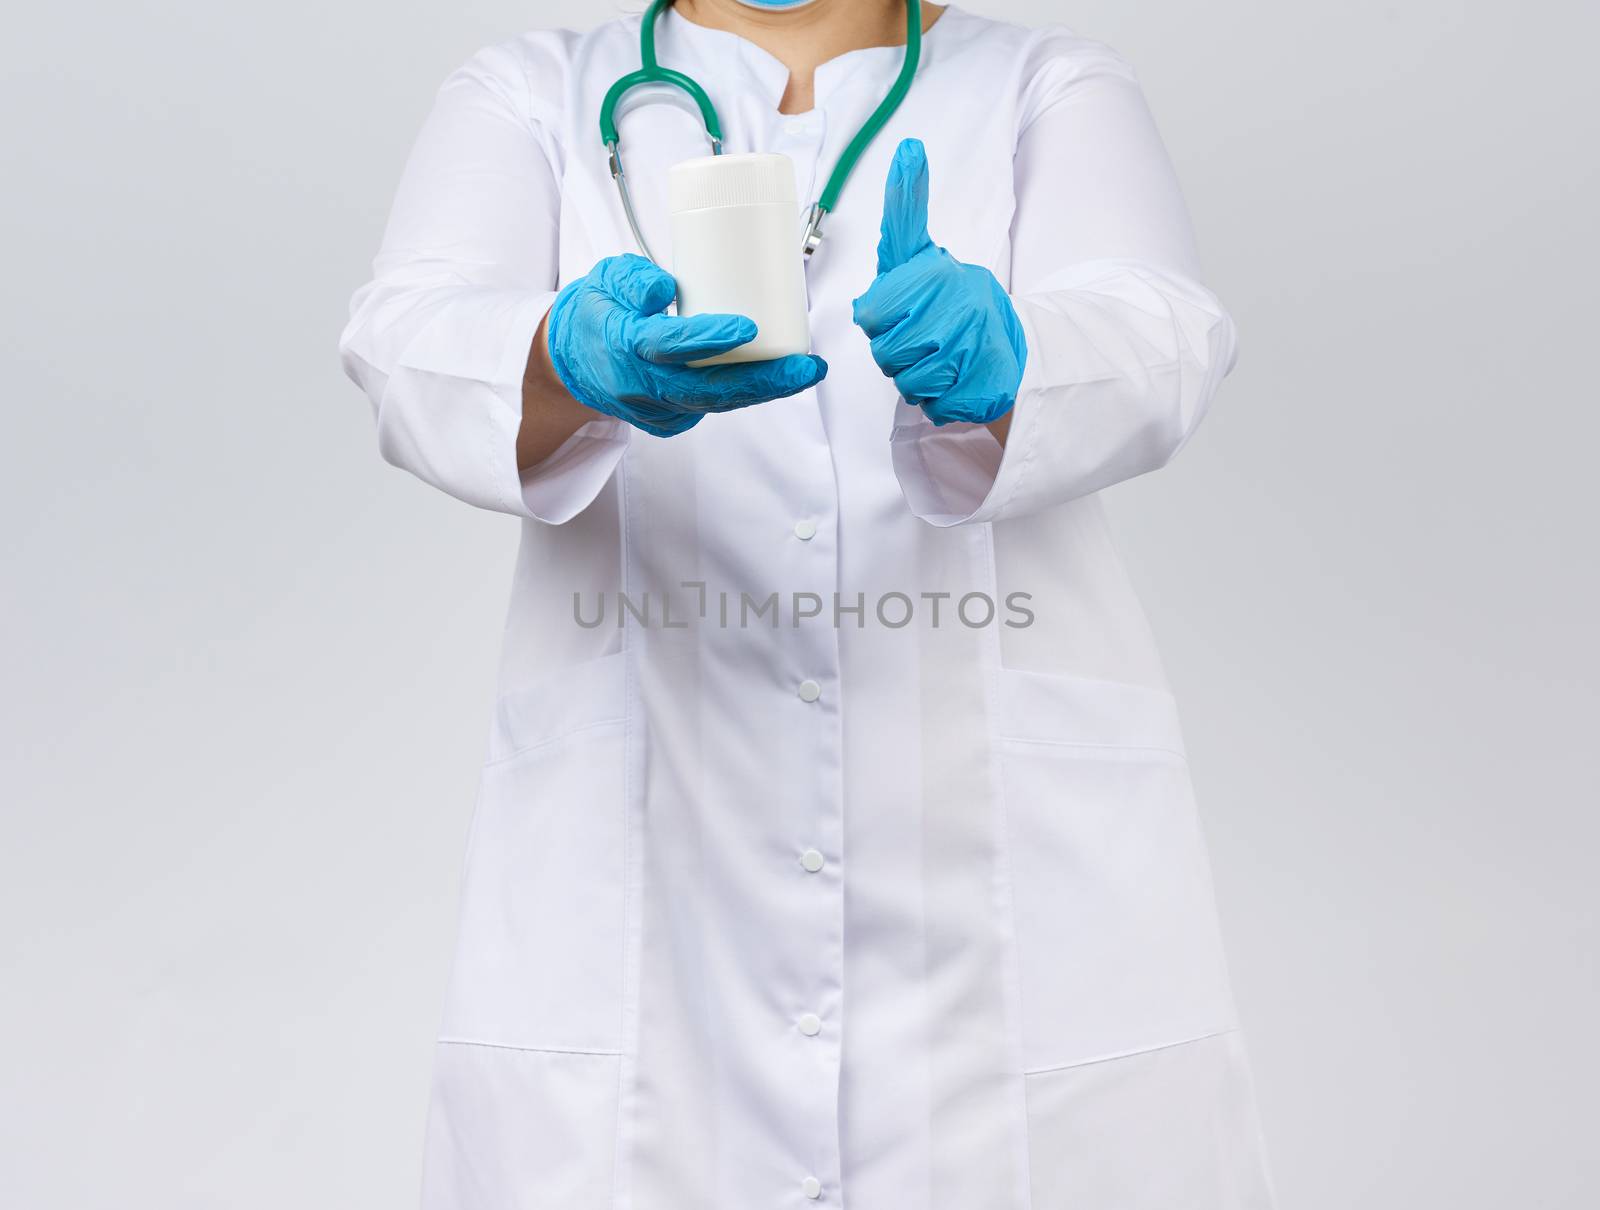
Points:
[944,331]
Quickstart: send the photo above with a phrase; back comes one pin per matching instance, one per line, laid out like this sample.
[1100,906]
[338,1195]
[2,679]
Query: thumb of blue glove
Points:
[945,331]
[904,232]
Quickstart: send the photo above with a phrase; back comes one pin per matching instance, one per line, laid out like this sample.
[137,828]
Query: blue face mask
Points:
[774,3]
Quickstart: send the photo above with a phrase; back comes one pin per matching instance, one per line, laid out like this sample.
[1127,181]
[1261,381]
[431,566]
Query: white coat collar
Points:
[697,48]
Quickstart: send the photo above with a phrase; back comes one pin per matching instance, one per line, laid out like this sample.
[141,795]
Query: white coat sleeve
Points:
[439,339]
[1125,347]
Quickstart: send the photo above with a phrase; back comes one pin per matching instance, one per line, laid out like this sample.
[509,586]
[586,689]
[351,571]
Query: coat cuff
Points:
[564,484]
[959,474]
[1123,360]
[450,408]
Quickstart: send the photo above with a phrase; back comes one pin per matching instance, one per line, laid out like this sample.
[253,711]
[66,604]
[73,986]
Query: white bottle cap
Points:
[714,181]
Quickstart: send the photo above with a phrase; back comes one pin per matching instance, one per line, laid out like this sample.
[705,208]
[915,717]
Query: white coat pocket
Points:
[538,960]
[1117,940]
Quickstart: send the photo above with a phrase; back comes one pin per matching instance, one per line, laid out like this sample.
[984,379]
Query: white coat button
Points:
[811,861]
[805,530]
[809,1024]
[810,691]
[811,1187]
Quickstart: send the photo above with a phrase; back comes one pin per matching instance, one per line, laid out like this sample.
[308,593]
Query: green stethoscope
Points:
[651,72]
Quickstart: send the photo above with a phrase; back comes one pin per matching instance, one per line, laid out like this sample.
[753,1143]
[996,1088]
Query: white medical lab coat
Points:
[835,844]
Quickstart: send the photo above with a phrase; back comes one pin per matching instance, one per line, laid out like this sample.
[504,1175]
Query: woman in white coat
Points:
[835,842]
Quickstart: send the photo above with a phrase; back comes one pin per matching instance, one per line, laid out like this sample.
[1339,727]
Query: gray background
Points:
[247,668]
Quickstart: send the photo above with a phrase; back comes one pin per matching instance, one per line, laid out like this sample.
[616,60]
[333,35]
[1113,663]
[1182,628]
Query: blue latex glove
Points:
[615,350]
[944,331]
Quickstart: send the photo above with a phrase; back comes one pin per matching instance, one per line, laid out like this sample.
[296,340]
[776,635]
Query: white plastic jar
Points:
[736,249]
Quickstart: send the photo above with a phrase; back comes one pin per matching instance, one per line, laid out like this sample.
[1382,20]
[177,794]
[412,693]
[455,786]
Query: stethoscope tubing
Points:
[651,72]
